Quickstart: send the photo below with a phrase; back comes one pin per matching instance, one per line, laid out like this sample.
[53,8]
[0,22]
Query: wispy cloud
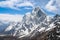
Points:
[27,3]
[10,17]
[54,6]
[8,3]
[14,4]
[50,6]
[58,3]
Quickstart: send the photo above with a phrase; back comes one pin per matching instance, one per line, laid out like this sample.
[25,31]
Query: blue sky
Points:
[13,11]
[24,6]
[21,7]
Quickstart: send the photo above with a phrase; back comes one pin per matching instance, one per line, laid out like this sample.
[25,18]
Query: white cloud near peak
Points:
[10,17]
[51,7]
[58,3]
[54,7]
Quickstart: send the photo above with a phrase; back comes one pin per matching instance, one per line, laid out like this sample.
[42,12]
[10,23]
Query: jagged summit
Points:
[38,11]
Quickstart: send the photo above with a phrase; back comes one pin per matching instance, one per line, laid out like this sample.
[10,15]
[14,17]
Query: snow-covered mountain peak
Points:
[32,22]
